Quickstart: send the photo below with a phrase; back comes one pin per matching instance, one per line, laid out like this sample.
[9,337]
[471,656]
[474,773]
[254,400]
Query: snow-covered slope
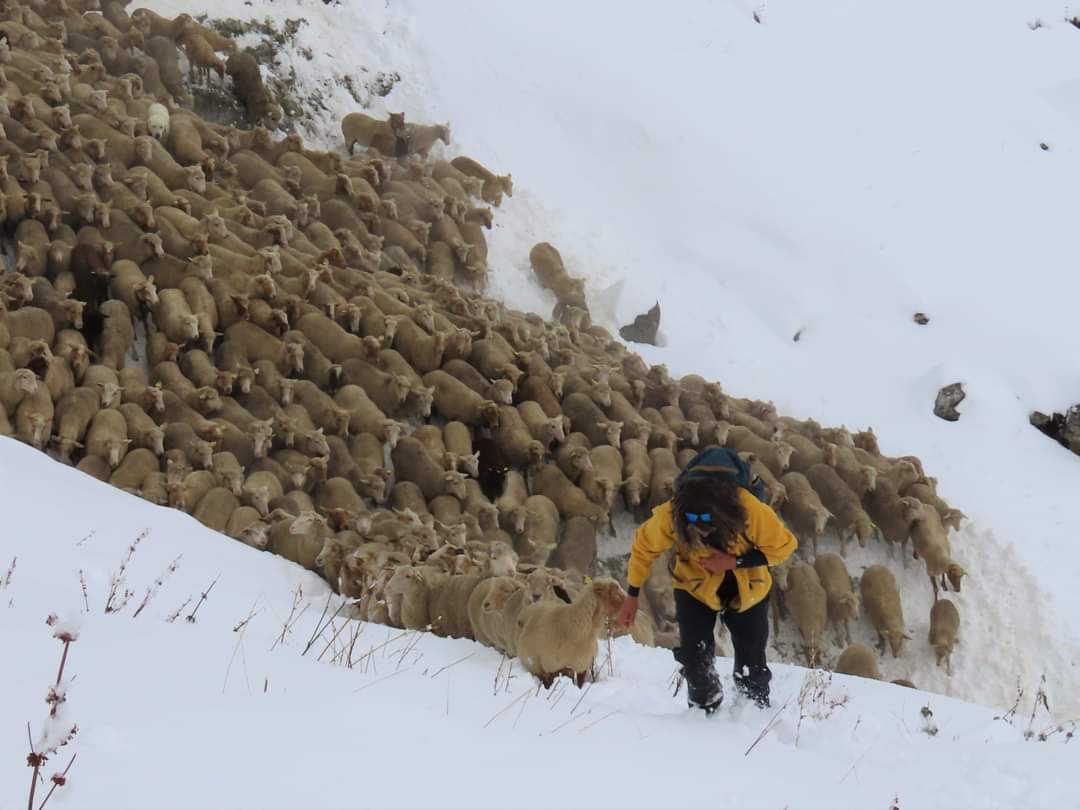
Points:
[827,172]
[179,714]
[806,174]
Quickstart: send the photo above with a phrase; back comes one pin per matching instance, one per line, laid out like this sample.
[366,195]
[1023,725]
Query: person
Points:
[725,539]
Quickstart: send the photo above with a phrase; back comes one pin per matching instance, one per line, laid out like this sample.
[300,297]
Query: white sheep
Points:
[559,639]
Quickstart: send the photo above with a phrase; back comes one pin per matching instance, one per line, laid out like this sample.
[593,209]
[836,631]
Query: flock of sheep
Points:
[322,378]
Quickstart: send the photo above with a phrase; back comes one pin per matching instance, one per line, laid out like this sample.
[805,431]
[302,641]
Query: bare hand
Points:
[627,612]
[719,561]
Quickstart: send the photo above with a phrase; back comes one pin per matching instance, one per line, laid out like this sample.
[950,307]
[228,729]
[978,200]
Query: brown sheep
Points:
[576,549]
[569,499]
[858,660]
[881,600]
[807,602]
[843,605]
[493,186]
[453,400]
[944,625]
[843,503]
[107,436]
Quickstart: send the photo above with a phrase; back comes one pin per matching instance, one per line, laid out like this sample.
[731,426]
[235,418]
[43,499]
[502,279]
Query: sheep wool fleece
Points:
[764,532]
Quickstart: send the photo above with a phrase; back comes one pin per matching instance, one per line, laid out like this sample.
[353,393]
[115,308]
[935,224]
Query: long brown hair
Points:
[718,498]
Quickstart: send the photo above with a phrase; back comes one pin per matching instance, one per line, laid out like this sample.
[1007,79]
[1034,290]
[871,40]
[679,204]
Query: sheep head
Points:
[294,359]
[454,485]
[635,490]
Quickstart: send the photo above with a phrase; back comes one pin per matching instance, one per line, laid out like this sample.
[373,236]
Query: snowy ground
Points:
[828,172]
[179,714]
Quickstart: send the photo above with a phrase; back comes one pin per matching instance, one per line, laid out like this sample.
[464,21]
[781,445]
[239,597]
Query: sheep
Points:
[862,478]
[573,456]
[325,413]
[29,322]
[215,509]
[843,604]
[844,505]
[860,661]
[364,416]
[118,334]
[201,56]
[388,137]
[107,436]
[807,601]
[550,271]
[250,91]
[585,417]
[486,602]
[420,138]
[453,400]
[930,540]
[142,430]
[944,625]
[569,499]
[555,638]
[174,317]
[493,186]
[884,507]
[776,493]
[637,472]
[96,467]
[130,285]
[500,390]
[422,351]
[448,605]
[546,430]
[132,472]
[803,509]
[576,549]
[255,344]
[181,436]
[664,472]
[299,539]
[72,417]
[602,482]
[494,359]
[881,600]
[229,472]
[15,386]
[950,518]
[412,463]
[157,121]
[515,442]
[773,453]
[459,446]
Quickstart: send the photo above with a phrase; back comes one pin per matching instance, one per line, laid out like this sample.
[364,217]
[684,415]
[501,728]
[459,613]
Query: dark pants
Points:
[749,636]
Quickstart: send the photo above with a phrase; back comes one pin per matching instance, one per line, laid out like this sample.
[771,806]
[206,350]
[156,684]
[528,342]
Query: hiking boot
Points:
[755,686]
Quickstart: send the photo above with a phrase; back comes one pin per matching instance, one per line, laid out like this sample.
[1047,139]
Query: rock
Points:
[644,327]
[1063,428]
[920,318]
[947,399]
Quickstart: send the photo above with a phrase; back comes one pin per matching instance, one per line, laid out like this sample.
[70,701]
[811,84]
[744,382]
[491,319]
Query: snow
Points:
[826,172]
[215,713]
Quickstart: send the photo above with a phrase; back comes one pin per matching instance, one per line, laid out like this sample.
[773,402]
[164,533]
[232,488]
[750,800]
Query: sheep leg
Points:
[774,609]
[881,643]
[933,583]
[847,631]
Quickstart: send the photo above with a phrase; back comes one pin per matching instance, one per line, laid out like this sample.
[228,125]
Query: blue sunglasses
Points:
[694,517]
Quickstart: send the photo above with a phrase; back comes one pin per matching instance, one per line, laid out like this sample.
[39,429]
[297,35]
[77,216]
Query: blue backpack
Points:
[723,464]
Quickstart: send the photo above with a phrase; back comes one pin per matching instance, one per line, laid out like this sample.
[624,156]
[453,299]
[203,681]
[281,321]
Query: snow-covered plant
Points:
[57,731]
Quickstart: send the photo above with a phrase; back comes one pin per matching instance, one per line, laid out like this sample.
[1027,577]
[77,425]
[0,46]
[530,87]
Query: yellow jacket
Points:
[764,531]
